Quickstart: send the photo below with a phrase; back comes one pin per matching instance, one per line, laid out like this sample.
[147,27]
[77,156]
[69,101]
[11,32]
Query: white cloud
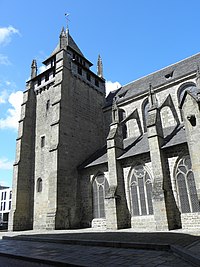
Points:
[6,33]
[111,86]
[42,69]
[3,97]
[13,114]
[4,60]
[5,164]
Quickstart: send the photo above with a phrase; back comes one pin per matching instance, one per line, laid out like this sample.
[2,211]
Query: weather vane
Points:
[67,19]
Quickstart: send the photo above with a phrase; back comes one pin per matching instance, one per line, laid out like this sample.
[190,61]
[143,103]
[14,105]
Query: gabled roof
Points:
[159,78]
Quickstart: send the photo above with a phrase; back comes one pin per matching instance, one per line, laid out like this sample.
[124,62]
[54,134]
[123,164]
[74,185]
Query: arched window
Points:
[141,191]
[186,188]
[100,188]
[145,108]
[39,185]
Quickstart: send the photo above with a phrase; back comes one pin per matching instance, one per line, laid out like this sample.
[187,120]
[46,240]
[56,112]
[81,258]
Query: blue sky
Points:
[133,37]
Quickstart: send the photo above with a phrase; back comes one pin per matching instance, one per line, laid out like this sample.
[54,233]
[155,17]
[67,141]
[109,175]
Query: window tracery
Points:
[100,188]
[141,192]
[187,193]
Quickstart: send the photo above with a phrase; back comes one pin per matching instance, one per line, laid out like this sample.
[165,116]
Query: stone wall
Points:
[143,223]
[190,221]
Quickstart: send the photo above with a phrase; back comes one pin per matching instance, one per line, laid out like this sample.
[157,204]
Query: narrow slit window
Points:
[42,141]
[39,185]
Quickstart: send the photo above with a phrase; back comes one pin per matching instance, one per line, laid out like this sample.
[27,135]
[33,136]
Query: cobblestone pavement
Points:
[61,254]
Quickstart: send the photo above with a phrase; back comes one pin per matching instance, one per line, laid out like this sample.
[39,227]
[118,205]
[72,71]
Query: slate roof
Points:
[158,78]
[71,44]
[136,146]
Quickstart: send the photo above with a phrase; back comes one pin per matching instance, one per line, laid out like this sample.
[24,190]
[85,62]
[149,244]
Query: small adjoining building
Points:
[6,201]
[131,159]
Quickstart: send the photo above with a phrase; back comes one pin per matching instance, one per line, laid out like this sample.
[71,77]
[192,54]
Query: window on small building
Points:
[186,188]
[39,185]
[4,205]
[79,70]
[100,188]
[10,197]
[10,203]
[141,192]
[42,141]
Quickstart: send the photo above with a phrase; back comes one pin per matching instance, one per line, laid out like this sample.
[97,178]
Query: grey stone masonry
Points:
[21,214]
[190,107]
[117,214]
[155,137]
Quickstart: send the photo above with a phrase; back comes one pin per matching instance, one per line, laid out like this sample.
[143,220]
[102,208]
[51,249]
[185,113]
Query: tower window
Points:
[88,77]
[79,70]
[39,185]
[42,141]
[47,105]
[96,82]
[46,77]
[39,81]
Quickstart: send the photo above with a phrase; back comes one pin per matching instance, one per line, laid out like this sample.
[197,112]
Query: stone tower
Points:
[61,125]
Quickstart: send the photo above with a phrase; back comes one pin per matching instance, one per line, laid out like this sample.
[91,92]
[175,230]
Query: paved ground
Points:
[102,248]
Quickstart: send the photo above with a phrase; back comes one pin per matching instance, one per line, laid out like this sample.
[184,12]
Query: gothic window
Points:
[187,193]
[39,185]
[100,188]
[145,108]
[141,192]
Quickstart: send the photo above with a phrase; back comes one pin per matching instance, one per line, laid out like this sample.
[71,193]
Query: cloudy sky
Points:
[134,38]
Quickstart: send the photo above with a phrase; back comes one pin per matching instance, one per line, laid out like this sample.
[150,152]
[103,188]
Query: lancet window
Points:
[100,188]
[187,193]
[141,192]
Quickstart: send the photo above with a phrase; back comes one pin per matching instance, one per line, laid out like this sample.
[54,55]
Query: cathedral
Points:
[128,160]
